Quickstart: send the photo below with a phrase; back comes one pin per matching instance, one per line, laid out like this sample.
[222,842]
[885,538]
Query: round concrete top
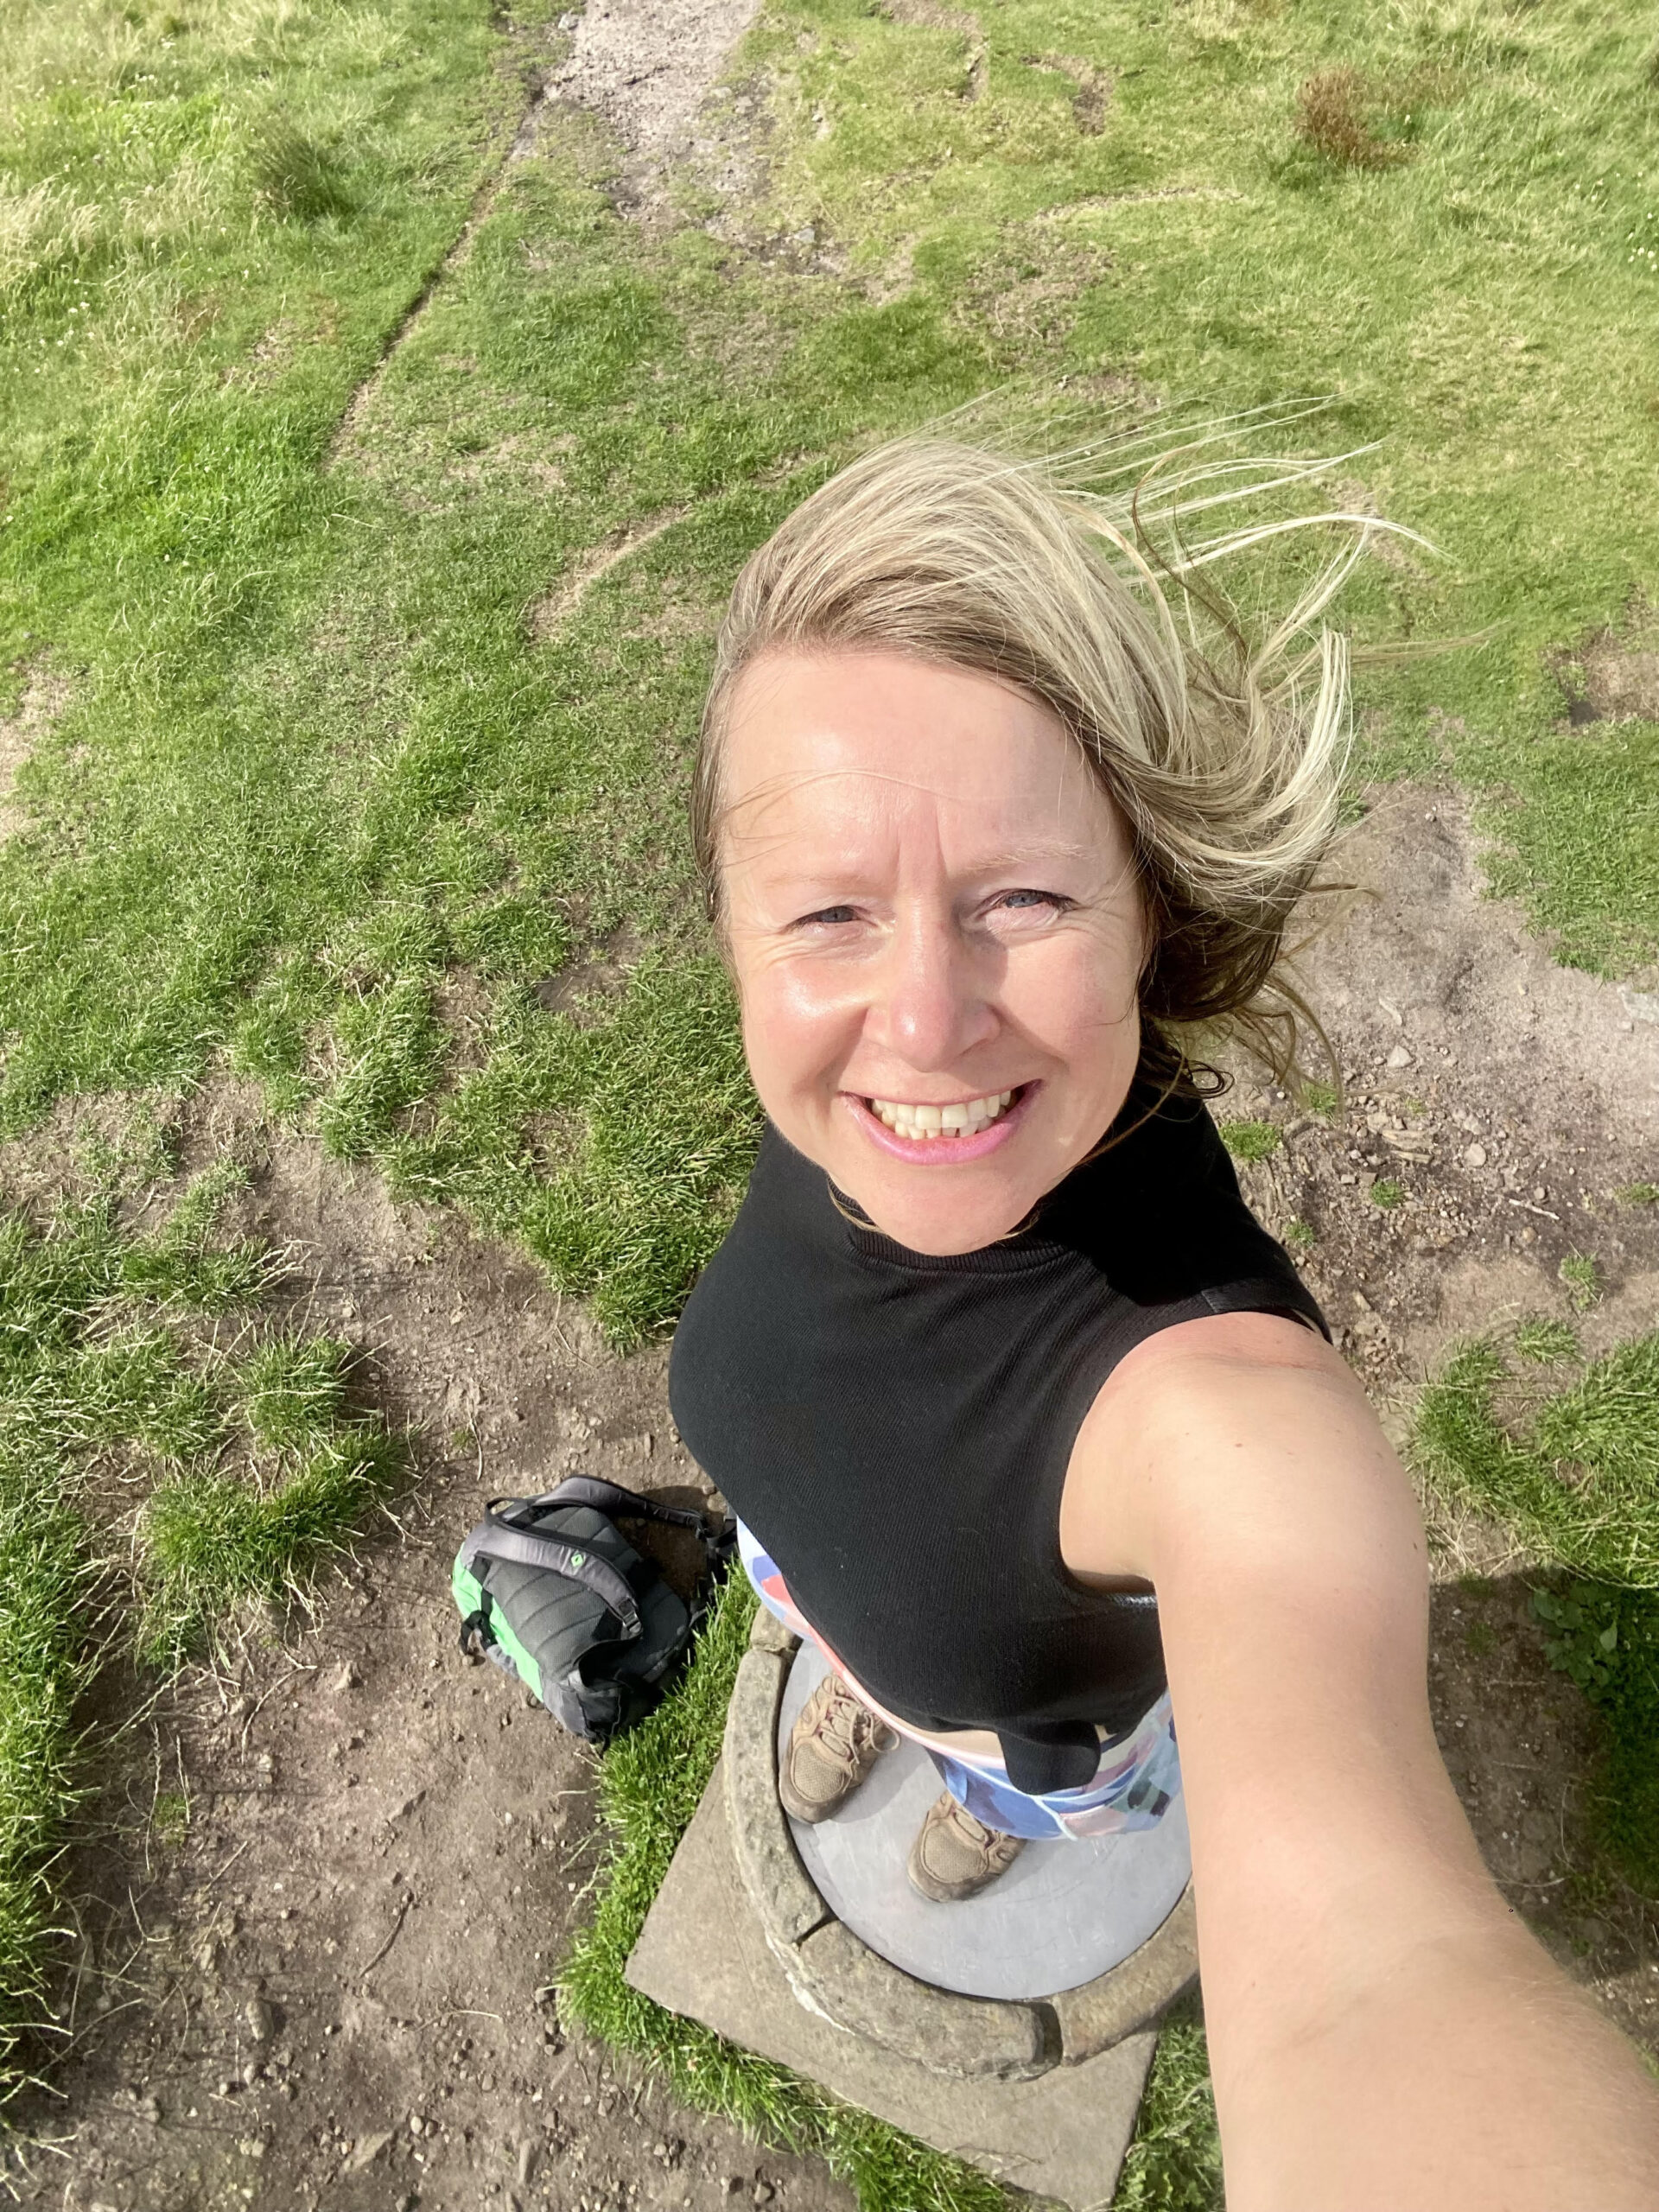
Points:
[1065,1913]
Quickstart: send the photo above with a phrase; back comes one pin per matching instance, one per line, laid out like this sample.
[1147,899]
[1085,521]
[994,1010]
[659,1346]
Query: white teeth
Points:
[965,1119]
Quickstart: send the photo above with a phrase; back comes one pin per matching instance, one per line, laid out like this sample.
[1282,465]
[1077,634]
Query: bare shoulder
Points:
[1242,1438]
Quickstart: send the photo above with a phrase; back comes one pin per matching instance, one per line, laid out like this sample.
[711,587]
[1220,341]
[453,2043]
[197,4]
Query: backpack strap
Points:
[709,1529]
[495,1537]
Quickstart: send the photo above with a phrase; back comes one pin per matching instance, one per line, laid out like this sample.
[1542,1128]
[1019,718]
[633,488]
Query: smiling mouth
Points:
[944,1123]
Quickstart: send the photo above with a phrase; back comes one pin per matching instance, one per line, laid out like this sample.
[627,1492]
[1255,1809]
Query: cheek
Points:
[794,1019]
[1078,996]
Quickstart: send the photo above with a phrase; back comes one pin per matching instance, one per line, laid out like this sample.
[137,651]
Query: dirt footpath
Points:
[329,1986]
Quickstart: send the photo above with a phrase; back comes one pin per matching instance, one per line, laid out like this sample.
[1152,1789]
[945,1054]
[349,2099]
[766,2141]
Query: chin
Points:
[944,1222]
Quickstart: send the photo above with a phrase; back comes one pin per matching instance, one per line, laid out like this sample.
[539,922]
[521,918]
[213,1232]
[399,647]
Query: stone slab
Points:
[1064,1912]
[702,1953]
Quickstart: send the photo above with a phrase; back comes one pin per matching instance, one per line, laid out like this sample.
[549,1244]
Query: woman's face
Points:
[937,936]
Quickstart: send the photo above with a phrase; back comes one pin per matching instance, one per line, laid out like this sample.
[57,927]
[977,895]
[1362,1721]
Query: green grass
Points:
[650,1782]
[1251,1140]
[320,796]
[1387,1193]
[319,793]
[1583,1280]
[248,1467]
[1174,2163]
[1542,1341]
[1605,1640]
[1575,1477]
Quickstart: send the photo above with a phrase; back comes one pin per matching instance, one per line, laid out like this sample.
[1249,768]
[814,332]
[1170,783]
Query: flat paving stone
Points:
[702,1953]
[1064,1912]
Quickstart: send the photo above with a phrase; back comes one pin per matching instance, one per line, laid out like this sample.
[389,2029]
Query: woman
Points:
[1026,1419]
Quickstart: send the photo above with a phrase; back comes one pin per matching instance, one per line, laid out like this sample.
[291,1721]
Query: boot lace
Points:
[848,1728]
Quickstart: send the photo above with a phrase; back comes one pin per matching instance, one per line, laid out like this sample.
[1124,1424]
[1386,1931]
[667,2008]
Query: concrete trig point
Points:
[1013,2029]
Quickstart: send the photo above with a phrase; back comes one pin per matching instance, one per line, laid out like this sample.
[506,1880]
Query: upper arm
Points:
[1236,1464]
[1239,1453]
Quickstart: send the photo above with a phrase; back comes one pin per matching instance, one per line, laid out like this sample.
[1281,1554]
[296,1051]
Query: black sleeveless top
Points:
[895,1429]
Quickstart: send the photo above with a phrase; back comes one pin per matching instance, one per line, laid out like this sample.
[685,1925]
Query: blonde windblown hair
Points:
[1223,755]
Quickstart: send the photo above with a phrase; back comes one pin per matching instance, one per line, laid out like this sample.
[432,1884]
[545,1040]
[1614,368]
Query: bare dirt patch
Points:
[1613,677]
[646,66]
[1508,1100]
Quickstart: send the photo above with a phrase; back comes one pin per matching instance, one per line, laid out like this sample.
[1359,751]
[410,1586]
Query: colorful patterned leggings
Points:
[1138,1773]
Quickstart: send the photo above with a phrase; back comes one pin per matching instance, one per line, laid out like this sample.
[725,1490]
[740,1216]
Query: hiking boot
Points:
[955,1855]
[833,1746]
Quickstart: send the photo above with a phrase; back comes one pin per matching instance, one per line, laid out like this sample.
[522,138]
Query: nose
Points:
[931,1003]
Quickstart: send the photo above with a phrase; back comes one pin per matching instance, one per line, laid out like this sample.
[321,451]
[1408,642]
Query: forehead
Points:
[876,739]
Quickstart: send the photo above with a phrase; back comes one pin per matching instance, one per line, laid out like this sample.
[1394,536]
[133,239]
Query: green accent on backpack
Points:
[472,1597]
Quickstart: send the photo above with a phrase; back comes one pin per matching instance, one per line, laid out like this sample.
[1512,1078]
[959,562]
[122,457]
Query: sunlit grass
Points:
[327,794]
[1578,1483]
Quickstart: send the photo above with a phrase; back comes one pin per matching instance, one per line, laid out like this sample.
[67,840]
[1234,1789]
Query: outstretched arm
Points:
[1385,2034]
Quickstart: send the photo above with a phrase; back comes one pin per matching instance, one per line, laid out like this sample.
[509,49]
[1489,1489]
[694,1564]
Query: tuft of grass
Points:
[212,1542]
[1387,1193]
[179,1264]
[1174,2163]
[391,1049]
[1251,1140]
[1583,1280]
[1542,1341]
[169,1818]
[45,1663]
[1577,1485]
[1605,1640]
[1300,1236]
[1322,1098]
[1638,1194]
[1336,116]
[295,176]
[293,1390]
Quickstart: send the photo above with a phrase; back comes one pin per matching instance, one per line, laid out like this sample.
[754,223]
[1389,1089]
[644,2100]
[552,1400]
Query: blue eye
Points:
[1032,898]
[827,914]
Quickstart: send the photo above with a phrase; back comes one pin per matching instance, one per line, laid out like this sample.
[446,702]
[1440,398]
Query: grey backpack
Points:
[552,1591]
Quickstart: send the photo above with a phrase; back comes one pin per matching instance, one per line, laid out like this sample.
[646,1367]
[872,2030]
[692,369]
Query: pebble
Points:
[260,2018]
[367,2148]
[1474,1155]
[345,1677]
[1399,1058]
